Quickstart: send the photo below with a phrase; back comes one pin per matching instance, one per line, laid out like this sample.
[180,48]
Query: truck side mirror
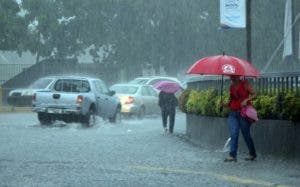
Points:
[111,92]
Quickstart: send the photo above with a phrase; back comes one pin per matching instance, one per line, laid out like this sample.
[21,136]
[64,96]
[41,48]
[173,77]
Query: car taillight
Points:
[79,99]
[129,100]
[34,97]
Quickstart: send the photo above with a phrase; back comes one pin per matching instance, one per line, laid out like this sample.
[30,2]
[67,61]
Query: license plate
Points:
[55,110]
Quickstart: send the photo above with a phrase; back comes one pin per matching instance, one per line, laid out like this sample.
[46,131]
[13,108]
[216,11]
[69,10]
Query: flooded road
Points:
[132,153]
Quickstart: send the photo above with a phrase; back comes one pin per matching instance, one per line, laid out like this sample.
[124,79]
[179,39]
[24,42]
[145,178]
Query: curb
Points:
[9,109]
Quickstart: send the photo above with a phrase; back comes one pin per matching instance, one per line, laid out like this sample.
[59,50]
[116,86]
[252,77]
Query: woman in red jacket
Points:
[241,94]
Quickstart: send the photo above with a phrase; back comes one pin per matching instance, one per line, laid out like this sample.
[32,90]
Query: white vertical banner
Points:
[287,37]
[233,13]
[299,45]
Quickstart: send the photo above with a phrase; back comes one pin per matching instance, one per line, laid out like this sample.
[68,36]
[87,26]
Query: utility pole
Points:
[248,30]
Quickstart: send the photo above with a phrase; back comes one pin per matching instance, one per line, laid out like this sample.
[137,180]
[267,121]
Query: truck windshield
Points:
[69,85]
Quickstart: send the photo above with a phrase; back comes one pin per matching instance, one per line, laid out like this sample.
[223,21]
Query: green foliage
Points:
[202,102]
[183,98]
[12,26]
[220,110]
[295,112]
[130,32]
[291,106]
[192,105]
[207,102]
[284,106]
[265,106]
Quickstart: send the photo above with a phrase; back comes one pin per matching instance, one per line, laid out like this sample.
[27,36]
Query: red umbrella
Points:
[223,65]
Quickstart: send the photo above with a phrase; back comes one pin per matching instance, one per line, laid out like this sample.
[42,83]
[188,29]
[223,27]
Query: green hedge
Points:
[206,102]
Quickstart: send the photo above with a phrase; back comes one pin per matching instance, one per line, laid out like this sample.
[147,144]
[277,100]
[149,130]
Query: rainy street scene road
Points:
[149,93]
[131,153]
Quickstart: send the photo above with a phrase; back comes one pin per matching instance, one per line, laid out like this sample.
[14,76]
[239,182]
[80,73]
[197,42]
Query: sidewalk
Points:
[4,109]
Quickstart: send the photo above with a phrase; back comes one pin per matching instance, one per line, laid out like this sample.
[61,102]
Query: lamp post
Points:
[248,30]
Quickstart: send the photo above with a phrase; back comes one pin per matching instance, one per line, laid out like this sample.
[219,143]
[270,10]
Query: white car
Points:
[137,99]
[23,96]
[152,80]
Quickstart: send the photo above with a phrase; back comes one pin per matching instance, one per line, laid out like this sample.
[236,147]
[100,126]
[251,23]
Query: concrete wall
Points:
[271,137]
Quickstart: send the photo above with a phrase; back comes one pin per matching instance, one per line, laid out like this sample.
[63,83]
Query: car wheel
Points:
[141,113]
[44,118]
[89,119]
[117,116]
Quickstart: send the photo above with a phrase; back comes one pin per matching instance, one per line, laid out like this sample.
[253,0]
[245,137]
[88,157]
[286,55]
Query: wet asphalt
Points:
[131,153]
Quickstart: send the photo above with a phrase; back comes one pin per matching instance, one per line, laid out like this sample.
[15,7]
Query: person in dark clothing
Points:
[167,103]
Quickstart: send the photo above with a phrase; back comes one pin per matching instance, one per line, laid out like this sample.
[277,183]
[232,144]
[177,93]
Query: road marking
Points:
[230,178]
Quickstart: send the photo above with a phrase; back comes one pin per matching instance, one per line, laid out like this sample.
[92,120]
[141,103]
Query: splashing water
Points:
[226,147]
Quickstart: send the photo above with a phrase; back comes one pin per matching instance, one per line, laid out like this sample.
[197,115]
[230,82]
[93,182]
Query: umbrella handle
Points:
[221,107]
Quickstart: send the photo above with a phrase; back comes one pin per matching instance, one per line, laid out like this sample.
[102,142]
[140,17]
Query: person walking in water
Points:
[241,94]
[167,103]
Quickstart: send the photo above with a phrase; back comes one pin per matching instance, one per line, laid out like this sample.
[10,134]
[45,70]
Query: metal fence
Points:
[7,71]
[278,82]
[266,84]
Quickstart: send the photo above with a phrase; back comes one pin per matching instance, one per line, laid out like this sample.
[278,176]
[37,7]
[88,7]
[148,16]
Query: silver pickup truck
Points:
[76,99]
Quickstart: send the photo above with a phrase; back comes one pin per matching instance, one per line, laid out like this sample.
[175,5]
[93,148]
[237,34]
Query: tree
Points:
[50,33]
[133,33]
[12,26]
[63,28]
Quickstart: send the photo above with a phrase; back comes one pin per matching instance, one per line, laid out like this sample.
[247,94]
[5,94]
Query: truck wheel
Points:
[44,118]
[117,116]
[89,119]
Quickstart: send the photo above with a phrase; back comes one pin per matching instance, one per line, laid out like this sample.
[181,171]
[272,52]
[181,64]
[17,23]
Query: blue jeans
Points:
[236,122]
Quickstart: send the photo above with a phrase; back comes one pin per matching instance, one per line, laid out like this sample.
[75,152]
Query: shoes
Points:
[230,159]
[250,158]
[166,130]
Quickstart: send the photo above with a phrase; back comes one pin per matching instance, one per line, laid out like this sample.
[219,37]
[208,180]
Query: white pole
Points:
[280,44]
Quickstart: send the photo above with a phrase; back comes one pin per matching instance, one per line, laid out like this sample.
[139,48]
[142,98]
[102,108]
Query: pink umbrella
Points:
[168,86]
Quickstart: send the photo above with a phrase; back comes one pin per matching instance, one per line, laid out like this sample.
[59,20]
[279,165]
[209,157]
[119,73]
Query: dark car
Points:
[23,96]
